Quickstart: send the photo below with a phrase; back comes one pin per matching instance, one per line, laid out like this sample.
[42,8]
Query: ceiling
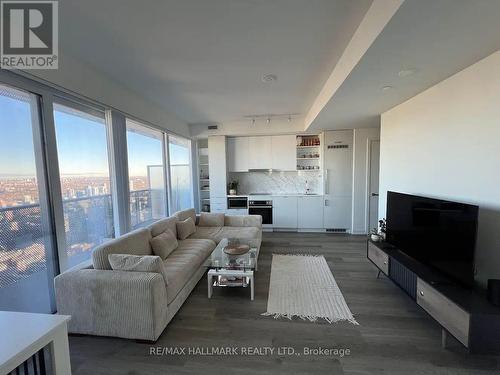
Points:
[204,60]
[434,38]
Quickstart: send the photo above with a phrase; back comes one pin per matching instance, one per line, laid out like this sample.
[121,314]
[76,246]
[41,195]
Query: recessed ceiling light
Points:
[269,77]
[406,72]
[386,88]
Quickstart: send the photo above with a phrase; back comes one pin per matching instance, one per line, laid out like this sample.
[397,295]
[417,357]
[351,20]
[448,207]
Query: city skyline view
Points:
[73,128]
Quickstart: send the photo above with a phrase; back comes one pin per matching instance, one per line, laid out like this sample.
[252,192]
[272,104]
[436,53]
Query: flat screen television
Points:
[437,233]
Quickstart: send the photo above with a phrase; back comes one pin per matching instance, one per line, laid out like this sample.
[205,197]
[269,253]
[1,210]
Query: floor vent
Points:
[336,230]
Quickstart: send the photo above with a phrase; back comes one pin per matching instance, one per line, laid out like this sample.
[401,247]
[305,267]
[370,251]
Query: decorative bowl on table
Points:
[236,249]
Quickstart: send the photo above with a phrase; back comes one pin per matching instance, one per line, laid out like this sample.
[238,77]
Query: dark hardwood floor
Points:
[394,336]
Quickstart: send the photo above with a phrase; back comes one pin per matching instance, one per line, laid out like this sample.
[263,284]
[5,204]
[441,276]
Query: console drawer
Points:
[378,257]
[451,316]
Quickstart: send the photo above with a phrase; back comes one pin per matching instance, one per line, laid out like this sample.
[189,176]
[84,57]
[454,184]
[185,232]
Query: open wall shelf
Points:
[309,152]
[203,175]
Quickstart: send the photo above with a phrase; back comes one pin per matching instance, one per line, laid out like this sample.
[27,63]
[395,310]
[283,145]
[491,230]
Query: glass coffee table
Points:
[225,270]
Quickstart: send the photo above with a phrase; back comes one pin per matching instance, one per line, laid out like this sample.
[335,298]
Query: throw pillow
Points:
[185,228]
[164,244]
[138,263]
[211,220]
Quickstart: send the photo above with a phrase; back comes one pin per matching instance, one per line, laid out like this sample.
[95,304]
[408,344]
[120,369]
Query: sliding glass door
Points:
[146,169]
[26,243]
[81,135]
[181,186]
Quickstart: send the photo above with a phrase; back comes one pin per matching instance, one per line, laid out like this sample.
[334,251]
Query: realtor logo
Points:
[29,35]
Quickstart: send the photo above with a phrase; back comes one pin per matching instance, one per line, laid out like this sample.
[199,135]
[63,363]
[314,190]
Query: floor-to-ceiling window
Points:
[180,173]
[56,198]
[27,260]
[81,135]
[146,169]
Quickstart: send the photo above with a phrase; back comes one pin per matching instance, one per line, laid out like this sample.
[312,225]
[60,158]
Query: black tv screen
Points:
[438,233]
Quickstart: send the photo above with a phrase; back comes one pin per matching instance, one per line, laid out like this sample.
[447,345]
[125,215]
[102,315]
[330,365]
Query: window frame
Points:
[42,172]
[190,165]
[115,121]
[101,114]
[166,178]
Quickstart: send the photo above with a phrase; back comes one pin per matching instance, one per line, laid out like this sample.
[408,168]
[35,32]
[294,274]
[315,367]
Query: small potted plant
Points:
[233,187]
[382,224]
[374,236]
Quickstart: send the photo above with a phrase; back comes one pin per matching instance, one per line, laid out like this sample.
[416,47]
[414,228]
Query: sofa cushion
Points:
[182,264]
[133,243]
[243,221]
[137,263]
[211,219]
[183,215]
[185,228]
[158,227]
[164,244]
[207,233]
[238,232]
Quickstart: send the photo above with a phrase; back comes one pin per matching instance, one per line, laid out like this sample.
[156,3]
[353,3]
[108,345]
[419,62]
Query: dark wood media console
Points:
[463,313]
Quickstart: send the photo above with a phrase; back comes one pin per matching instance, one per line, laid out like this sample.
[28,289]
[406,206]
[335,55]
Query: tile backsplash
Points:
[277,182]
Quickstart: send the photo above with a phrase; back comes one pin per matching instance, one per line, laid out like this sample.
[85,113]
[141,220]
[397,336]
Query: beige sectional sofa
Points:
[139,305]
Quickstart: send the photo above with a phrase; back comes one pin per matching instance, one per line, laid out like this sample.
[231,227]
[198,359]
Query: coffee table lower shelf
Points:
[245,276]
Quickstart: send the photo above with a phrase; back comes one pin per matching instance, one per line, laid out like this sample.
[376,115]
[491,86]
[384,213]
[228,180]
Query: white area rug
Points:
[304,286]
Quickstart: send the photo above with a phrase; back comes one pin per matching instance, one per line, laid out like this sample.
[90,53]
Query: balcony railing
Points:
[88,222]
[146,206]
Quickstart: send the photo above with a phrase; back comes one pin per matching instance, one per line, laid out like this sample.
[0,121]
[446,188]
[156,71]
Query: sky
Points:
[81,144]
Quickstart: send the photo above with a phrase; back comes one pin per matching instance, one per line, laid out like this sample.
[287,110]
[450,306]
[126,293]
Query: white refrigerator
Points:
[338,176]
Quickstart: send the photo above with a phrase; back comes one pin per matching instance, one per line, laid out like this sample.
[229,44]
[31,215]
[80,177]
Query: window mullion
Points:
[168,185]
[54,178]
[117,149]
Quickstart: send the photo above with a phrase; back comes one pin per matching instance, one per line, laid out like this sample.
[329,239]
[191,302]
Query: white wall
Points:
[445,143]
[360,203]
[82,79]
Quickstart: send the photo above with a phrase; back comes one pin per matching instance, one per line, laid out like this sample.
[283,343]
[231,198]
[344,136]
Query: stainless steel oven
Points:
[237,203]
[263,208]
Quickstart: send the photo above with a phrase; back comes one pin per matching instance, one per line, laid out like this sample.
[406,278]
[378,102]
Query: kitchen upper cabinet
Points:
[259,152]
[285,212]
[284,152]
[310,212]
[237,154]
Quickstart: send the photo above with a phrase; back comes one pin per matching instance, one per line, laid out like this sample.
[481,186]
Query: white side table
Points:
[28,333]
[215,273]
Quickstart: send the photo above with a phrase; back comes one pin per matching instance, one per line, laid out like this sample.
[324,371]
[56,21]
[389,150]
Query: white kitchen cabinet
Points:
[259,152]
[217,167]
[237,154]
[337,212]
[285,212]
[218,204]
[284,152]
[310,212]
